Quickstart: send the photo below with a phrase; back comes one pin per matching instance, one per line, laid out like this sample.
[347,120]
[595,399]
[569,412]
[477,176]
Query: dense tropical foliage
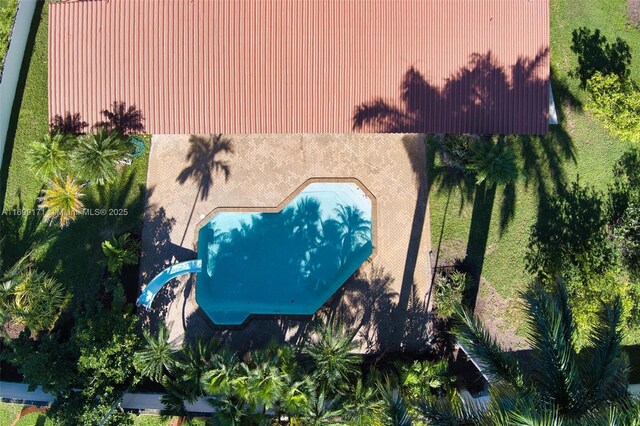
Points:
[119,252]
[556,384]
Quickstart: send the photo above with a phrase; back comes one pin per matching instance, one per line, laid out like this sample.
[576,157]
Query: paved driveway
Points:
[386,302]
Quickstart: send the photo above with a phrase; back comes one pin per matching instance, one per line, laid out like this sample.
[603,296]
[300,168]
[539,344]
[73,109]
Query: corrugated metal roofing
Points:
[292,66]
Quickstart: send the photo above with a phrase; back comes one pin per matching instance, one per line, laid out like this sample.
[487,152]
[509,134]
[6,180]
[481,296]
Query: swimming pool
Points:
[284,263]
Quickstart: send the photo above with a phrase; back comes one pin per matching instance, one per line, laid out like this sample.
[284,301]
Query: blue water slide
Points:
[154,286]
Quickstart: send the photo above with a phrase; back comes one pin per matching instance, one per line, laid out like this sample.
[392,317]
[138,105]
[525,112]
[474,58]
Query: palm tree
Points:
[558,383]
[364,406]
[62,200]
[494,163]
[98,155]
[30,297]
[47,156]
[125,120]
[157,356]
[69,124]
[334,364]
[120,251]
[320,410]
[395,410]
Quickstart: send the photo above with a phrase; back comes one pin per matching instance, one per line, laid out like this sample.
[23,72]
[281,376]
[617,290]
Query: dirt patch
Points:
[501,316]
[633,12]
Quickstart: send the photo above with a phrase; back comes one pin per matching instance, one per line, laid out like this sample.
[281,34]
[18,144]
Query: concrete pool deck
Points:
[387,303]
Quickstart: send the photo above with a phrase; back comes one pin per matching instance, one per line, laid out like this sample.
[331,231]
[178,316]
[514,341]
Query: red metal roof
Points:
[294,66]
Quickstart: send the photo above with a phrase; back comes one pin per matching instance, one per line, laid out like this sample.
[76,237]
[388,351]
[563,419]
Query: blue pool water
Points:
[285,263]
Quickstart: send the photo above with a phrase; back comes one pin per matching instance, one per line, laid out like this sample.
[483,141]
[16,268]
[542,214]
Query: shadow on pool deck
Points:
[366,304]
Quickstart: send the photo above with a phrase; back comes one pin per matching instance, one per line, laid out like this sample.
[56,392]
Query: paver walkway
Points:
[387,302]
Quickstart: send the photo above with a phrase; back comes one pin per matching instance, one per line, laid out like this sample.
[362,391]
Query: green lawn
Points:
[32,120]
[8,10]
[579,146]
[9,412]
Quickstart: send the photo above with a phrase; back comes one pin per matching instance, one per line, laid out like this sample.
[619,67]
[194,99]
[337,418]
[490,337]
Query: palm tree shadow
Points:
[480,97]
[204,163]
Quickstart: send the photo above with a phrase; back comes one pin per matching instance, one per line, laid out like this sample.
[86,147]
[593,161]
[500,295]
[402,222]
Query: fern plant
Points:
[119,251]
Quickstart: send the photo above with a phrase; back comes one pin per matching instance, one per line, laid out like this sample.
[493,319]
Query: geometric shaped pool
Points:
[283,263]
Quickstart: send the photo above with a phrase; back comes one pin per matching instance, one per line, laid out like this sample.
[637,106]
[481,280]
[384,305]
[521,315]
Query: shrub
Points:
[616,102]
[587,295]
[455,153]
[449,292]
[31,298]
[627,237]
[570,237]
[623,209]
[119,252]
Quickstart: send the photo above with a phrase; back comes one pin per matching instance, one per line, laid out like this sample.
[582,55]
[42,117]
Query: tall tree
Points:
[494,162]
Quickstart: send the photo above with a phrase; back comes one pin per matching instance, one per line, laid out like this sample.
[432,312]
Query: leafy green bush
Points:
[8,9]
[455,153]
[616,102]
[571,239]
[449,292]
[31,297]
[586,298]
[623,209]
[120,251]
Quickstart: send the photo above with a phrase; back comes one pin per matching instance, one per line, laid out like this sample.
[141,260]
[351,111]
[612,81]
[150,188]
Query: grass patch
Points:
[578,147]
[29,120]
[8,9]
[8,412]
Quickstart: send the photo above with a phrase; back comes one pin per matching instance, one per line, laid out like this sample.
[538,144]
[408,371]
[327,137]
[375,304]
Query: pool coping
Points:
[287,200]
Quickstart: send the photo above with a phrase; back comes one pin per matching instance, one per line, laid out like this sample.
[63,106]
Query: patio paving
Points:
[387,302]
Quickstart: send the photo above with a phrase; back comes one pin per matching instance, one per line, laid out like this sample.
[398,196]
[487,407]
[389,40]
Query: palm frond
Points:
[480,345]
[47,157]
[62,200]
[551,332]
[606,372]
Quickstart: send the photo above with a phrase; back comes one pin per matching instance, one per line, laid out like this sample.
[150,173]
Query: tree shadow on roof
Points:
[481,97]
